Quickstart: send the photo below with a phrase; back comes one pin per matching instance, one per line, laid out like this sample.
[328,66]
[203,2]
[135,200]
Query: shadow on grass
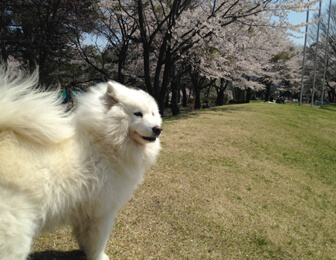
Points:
[331,107]
[230,108]
[58,255]
[184,114]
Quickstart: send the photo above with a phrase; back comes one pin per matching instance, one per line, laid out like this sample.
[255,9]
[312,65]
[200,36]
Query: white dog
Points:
[76,169]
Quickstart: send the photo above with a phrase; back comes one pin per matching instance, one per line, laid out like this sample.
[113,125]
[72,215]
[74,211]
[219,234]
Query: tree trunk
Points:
[184,96]
[146,50]
[331,94]
[174,101]
[268,91]
[220,92]
[220,97]
[248,95]
[175,88]
[121,62]
[165,81]
[196,81]
[197,98]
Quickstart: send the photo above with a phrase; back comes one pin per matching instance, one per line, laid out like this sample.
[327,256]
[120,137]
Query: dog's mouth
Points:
[149,139]
[142,139]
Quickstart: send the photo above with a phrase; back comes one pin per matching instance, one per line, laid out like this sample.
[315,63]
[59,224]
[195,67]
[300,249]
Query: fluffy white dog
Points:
[76,169]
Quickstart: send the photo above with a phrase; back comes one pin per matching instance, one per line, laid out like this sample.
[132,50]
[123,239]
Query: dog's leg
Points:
[93,234]
[15,248]
[18,226]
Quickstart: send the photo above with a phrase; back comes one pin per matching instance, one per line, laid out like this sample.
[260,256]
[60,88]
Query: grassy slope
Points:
[236,182]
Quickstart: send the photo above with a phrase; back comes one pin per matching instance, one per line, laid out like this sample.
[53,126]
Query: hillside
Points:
[252,181]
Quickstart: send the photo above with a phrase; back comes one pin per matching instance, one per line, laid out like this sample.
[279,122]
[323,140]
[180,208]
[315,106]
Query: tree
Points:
[40,32]
[242,54]
[116,28]
[170,29]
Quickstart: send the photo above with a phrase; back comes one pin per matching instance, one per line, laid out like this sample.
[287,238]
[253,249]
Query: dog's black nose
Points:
[157,130]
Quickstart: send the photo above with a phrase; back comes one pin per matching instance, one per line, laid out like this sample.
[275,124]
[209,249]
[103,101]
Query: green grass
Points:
[251,181]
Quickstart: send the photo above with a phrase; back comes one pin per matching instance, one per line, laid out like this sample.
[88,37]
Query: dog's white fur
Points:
[76,169]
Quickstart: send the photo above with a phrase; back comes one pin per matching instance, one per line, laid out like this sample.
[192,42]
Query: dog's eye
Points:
[138,114]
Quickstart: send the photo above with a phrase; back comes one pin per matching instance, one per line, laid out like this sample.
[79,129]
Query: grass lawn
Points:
[251,181]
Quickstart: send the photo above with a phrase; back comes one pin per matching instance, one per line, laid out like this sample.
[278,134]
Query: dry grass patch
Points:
[236,182]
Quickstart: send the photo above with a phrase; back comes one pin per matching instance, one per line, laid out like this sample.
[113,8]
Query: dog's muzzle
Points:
[157,131]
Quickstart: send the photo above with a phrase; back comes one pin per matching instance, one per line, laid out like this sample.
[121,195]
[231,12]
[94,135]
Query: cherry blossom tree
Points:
[168,30]
[252,58]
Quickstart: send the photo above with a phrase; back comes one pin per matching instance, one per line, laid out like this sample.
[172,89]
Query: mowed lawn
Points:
[251,181]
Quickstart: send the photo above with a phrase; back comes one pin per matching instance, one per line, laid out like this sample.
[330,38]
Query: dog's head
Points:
[134,112]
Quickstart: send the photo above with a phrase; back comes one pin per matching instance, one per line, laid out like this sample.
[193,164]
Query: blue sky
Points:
[296,18]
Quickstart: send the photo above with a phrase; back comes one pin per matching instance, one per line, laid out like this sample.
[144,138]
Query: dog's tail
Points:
[31,113]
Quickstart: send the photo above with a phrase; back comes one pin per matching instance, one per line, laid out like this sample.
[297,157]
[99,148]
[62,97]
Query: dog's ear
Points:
[110,97]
